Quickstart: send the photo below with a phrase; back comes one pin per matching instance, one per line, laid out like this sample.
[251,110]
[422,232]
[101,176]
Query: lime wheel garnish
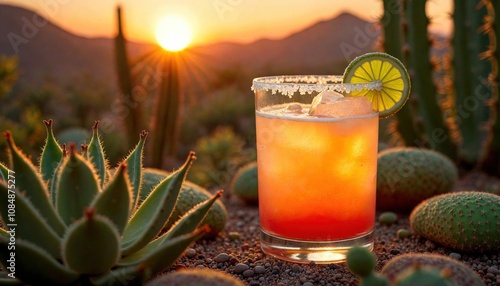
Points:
[395,84]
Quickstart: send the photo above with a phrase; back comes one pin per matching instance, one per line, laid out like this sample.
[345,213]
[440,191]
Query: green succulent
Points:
[196,277]
[467,221]
[458,272]
[79,222]
[410,269]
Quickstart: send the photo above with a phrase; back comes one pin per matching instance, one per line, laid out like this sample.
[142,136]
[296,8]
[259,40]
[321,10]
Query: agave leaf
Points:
[30,183]
[53,182]
[27,222]
[4,172]
[34,265]
[133,275]
[51,154]
[115,201]
[77,185]
[5,279]
[171,250]
[186,224]
[150,217]
[95,153]
[91,244]
[134,163]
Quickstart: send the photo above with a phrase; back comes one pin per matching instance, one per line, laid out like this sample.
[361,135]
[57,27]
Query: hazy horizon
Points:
[212,21]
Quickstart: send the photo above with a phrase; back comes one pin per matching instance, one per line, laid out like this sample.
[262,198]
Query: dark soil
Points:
[244,259]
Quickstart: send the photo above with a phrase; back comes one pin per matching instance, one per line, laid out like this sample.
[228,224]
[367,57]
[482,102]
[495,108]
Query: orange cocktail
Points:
[317,168]
[317,138]
[317,176]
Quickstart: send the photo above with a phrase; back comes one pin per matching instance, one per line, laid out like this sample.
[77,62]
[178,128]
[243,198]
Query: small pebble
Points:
[387,218]
[259,269]
[248,273]
[296,268]
[455,255]
[191,252]
[493,270]
[308,284]
[222,257]
[233,235]
[395,251]
[240,268]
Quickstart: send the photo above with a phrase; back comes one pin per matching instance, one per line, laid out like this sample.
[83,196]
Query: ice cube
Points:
[294,108]
[333,104]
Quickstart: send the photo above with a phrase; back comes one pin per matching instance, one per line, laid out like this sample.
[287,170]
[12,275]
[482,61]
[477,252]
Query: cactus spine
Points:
[391,21]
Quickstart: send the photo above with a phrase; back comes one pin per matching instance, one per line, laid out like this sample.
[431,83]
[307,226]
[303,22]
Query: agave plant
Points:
[78,222]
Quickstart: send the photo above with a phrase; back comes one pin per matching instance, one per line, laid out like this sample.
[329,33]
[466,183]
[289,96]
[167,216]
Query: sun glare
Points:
[173,33]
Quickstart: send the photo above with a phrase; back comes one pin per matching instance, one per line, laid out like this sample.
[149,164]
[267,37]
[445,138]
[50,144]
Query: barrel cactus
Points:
[406,176]
[77,221]
[459,273]
[245,183]
[410,269]
[467,221]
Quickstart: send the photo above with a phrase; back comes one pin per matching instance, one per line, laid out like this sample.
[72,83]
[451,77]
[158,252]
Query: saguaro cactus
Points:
[469,70]
[429,111]
[166,115]
[393,45]
[474,88]
[492,151]
[130,108]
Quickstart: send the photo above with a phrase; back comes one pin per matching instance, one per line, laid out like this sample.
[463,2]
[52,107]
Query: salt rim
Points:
[289,84]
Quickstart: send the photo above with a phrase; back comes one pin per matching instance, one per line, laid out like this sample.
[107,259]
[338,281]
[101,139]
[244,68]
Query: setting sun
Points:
[173,33]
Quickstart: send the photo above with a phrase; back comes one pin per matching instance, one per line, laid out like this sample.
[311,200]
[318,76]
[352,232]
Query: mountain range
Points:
[46,50]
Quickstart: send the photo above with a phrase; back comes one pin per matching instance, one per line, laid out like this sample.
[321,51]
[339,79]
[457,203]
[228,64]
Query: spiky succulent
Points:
[79,222]
[411,269]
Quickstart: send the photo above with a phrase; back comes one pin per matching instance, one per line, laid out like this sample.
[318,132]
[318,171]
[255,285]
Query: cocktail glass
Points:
[317,174]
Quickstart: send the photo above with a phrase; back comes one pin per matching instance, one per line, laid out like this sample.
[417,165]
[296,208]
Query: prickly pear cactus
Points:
[407,176]
[459,273]
[78,222]
[465,221]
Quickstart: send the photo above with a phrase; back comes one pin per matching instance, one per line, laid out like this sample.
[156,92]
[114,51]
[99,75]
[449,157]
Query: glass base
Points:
[321,252]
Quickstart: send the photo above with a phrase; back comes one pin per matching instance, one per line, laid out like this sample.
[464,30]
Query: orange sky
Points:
[212,20]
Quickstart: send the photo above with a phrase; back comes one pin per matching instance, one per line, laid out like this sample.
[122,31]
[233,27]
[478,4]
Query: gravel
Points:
[237,251]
